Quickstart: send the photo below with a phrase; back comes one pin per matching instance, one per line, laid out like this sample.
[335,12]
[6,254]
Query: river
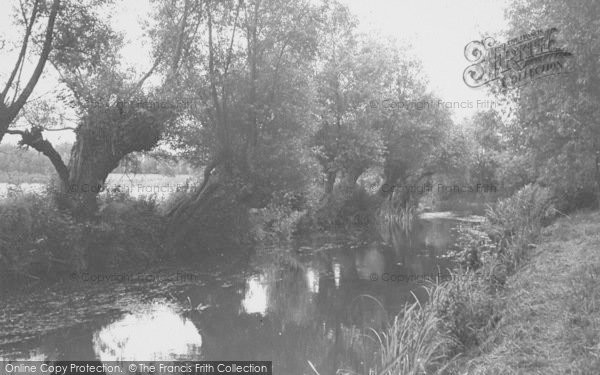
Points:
[311,300]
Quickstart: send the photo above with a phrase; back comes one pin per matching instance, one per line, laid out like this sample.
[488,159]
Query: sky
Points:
[437,31]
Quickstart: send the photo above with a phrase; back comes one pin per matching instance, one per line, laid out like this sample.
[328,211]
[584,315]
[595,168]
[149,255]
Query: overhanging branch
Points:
[33,138]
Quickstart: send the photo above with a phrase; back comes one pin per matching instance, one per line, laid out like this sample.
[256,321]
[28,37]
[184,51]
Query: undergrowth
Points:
[40,241]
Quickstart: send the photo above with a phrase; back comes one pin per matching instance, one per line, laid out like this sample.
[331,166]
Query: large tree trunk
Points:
[101,143]
[90,164]
[103,140]
[182,222]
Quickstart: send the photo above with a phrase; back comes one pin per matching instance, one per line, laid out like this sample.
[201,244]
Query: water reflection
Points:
[289,305]
[255,300]
[370,262]
[337,273]
[156,332]
[312,280]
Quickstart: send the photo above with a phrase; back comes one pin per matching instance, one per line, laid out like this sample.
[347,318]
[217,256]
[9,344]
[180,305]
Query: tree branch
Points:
[139,84]
[178,48]
[18,104]
[33,138]
[21,58]
[211,66]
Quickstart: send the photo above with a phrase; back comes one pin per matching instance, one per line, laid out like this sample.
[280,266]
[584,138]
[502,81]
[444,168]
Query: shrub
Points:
[36,238]
[465,307]
[130,229]
[39,240]
[346,207]
[274,223]
[473,245]
[281,218]
[515,222]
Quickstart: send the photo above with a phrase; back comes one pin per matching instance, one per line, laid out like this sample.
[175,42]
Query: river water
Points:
[314,300]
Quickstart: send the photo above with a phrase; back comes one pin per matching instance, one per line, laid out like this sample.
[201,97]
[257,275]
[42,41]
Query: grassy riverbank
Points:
[551,317]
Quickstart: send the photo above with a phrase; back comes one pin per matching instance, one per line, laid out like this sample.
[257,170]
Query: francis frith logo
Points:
[514,63]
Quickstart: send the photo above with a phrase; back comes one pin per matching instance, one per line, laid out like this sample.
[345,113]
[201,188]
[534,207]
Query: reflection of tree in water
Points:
[404,244]
[307,317]
[416,251]
[368,262]
[438,235]
[291,299]
[300,306]
[279,316]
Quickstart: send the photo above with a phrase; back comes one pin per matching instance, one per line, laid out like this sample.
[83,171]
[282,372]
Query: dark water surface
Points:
[311,301]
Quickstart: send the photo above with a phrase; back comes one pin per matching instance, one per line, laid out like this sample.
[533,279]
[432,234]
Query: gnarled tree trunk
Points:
[102,142]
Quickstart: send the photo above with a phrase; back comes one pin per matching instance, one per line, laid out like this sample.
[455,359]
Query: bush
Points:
[474,246]
[465,306]
[281,218]
[515,222]
[583,197]
[346,207]
[39,240]
[130,229]
[36,238]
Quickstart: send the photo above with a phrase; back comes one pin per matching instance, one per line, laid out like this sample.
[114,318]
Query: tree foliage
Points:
[556,128]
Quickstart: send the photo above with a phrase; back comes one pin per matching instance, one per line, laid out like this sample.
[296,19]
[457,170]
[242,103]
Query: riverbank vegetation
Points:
[442,335]
[280,110]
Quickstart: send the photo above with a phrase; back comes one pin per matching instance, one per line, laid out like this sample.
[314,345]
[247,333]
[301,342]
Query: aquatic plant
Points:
[414,343]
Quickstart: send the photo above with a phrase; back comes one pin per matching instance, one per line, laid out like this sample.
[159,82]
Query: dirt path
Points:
[551,320]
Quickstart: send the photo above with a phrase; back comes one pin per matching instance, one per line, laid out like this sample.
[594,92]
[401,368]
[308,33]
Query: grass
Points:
[551,321]
[414,344]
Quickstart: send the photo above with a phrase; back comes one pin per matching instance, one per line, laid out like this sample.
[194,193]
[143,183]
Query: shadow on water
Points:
[309,301]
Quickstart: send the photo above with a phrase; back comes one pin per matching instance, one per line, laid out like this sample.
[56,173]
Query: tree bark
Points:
[182,219]
[102,142]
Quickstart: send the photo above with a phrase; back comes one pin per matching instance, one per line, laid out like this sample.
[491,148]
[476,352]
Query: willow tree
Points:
[249,68]
[352,70]
[116,116]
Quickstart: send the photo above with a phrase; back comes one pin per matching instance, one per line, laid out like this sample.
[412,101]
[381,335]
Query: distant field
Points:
[136,184]
[20,178]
